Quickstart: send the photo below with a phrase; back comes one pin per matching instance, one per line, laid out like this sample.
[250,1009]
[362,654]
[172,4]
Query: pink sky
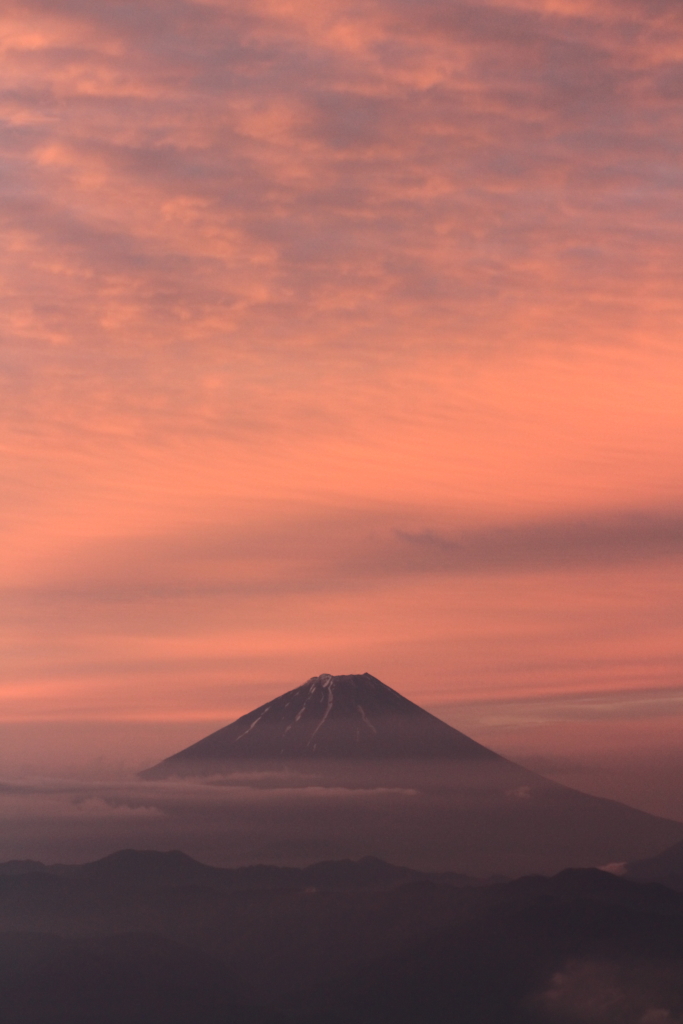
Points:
[342,337]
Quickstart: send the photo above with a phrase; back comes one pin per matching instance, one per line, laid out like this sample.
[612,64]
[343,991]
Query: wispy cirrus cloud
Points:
[199,170]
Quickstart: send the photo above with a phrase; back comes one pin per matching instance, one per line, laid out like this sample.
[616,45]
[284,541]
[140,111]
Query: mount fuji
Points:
[348,717]
[418,791]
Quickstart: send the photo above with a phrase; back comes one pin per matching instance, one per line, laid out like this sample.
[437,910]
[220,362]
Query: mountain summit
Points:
[353,716]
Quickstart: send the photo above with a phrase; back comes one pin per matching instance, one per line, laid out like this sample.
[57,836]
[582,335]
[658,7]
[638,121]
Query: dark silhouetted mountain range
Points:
[158,938]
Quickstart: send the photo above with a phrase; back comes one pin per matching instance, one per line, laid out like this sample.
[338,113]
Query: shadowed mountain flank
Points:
[346,717]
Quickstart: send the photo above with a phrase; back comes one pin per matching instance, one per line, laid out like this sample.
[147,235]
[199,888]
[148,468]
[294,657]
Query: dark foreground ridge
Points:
[134,869]
[159,938]
[348,717]
[665,868]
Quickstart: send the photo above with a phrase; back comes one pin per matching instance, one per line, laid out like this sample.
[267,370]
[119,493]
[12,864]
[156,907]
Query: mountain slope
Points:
[349,717]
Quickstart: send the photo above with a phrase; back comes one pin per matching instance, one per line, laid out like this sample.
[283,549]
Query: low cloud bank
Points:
[478,820]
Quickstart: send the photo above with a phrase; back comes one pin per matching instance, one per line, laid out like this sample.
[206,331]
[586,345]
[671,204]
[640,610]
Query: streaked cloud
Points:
[352,551]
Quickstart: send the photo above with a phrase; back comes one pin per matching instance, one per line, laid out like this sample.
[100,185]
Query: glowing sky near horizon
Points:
[340,337]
